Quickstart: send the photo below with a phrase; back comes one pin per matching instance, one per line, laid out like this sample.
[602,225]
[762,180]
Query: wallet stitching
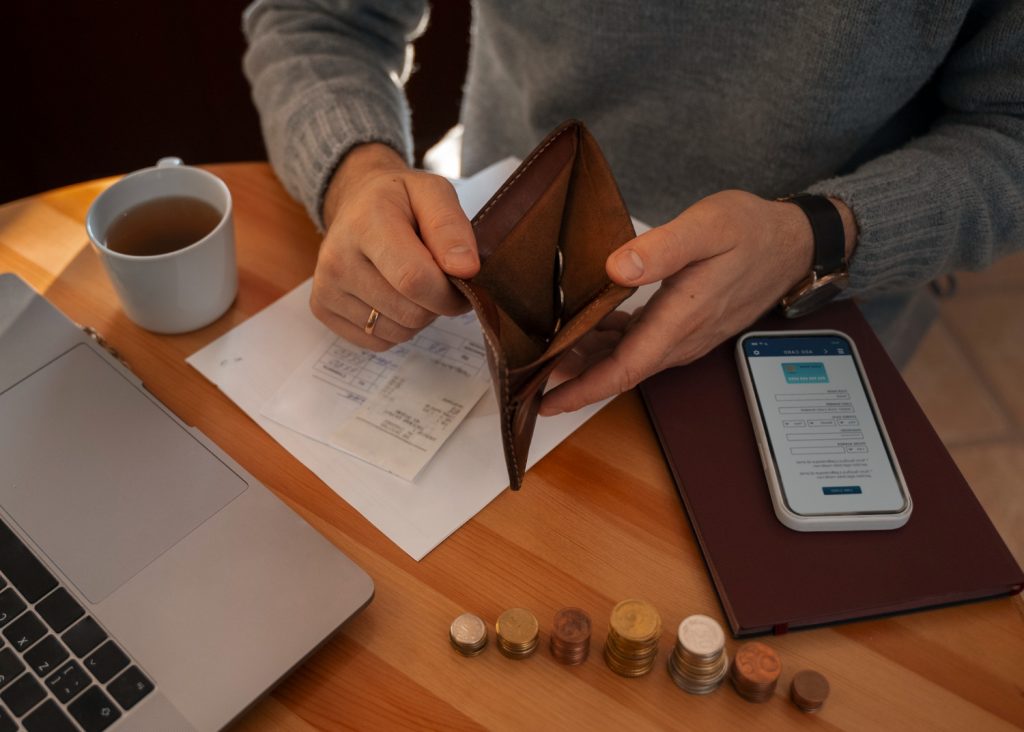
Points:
[526,166]
[509,441]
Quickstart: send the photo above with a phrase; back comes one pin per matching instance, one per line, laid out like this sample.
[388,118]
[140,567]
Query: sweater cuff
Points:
[901,215]
[325,126]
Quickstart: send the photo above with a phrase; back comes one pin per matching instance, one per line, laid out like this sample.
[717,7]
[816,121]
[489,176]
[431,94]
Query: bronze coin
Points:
[571,626]
[809,689]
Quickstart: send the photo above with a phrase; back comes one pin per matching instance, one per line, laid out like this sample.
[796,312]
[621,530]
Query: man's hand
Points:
[723,262]
[393,234]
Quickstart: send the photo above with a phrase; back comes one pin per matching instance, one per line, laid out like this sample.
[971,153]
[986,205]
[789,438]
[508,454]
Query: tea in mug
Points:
[161,225]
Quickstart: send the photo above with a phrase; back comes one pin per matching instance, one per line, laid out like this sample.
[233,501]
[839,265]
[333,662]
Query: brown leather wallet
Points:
[543,240]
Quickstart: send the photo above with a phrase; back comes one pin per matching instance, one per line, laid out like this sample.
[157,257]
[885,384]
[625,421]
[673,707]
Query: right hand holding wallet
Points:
[543,239]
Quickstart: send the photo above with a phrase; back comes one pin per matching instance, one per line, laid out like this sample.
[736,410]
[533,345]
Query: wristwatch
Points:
[828,275]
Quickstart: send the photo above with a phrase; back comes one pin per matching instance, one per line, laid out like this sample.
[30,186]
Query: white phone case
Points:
[829,522]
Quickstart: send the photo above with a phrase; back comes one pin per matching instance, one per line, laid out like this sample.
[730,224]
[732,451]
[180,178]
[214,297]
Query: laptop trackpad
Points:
[98,475]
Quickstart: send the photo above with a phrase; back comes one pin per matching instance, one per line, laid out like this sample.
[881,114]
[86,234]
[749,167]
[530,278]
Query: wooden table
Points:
[598,521]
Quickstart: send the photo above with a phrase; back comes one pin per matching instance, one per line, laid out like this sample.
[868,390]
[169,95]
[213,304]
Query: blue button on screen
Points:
[840,490]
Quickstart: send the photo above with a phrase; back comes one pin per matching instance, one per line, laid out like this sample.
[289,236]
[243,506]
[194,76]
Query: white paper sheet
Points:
[251,362]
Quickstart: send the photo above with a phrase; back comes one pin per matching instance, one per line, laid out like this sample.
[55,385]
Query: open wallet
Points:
[543,239]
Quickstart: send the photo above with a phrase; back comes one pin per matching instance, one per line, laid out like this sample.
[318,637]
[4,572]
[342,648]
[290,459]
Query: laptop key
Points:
[22,568]
[11,606]
[130,687]
[84,636]
[94,710]
[46,655]
[23,694]
[106,661]
[25,631]
[7,721]
[59,609]
[48,717]
[66,682]
[10,667]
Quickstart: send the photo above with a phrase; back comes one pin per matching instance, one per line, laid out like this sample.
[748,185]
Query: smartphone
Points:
[826,455]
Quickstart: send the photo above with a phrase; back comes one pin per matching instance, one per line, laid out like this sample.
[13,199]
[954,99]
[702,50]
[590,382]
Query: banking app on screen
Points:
[827,447]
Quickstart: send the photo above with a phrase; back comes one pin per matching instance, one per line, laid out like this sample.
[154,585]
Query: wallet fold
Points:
[543,239]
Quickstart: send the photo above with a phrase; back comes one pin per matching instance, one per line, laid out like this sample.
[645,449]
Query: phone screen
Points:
[828,452]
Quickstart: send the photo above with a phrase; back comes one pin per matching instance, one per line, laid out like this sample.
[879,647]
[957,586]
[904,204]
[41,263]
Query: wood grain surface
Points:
[598,521]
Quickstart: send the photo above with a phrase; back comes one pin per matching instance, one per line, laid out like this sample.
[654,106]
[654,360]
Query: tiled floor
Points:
[968,375]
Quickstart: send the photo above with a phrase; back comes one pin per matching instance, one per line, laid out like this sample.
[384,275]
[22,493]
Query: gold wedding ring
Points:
[371,322]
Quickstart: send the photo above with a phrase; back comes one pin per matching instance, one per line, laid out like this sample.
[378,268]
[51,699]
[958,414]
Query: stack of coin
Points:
[755,671]
[633,636]
[570,636]
[468,634]
[699,663]
[517,633]
[809,690]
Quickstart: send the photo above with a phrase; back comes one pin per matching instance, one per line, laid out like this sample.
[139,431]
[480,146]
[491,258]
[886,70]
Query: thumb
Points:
[443,225]
[662,251]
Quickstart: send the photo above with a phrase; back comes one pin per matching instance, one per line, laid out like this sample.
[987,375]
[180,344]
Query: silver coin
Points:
[701,635]
[468,630]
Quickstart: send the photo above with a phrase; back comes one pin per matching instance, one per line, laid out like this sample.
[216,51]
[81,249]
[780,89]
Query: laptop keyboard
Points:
[59,670]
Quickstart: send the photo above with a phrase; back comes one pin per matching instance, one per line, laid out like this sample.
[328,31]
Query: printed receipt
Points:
[394,409]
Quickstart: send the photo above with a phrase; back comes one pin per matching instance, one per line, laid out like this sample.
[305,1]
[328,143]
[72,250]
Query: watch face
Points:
[816,295]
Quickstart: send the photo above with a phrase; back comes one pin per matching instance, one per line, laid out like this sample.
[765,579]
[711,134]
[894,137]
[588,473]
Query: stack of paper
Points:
[430,459]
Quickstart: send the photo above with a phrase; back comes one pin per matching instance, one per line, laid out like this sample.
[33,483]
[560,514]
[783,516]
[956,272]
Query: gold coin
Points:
[636,621]
[518,627]
[626,669]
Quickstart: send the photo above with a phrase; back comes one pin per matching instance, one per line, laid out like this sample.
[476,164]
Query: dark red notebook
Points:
[771,578]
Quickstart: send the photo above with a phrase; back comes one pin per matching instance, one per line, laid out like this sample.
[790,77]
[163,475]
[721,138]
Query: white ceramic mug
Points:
[181,290]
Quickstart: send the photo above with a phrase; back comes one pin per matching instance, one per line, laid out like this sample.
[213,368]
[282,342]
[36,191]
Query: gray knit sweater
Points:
[911,111]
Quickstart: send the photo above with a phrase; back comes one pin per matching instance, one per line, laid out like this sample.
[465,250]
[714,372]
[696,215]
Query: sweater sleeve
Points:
[327,76]
[952,198]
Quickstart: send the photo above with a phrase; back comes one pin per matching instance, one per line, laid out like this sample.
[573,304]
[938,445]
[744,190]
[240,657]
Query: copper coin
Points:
[758,663]
[809,690]
[571,626]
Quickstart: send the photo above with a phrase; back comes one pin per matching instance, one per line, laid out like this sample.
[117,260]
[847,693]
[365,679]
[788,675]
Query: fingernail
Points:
[459,256]
[629,265]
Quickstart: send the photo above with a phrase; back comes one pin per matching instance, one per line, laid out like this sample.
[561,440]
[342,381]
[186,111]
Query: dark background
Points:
[102,88]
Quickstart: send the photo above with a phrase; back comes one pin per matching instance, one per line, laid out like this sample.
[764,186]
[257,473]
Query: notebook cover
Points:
[771,578]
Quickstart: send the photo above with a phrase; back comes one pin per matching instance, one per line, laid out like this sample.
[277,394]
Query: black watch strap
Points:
[827,227]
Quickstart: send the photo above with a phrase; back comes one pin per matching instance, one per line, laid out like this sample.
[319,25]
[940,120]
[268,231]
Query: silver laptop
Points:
[147,581]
